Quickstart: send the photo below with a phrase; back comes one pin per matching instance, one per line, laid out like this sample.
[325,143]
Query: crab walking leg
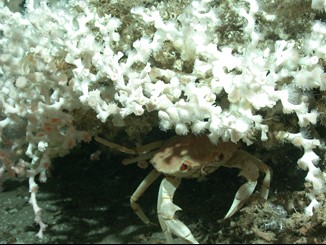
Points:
[166,210]
[148,147]
[144,150]
[114,146]
[142,157]
[250,168]
[149,179]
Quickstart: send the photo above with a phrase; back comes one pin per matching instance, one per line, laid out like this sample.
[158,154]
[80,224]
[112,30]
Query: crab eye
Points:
[184,166]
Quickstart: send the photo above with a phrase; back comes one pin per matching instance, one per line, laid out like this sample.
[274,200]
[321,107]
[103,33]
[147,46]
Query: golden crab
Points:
[190,156]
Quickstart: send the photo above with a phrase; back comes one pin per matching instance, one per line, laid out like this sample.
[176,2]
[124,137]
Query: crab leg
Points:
[148,147]
[142,157]
[115,146]
[250,168]
[264,189]
[149,179]
[143,150]
[241,196]
[166,212]
[262,167]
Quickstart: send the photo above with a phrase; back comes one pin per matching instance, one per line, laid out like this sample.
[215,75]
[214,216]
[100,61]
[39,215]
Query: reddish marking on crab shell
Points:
[184,166]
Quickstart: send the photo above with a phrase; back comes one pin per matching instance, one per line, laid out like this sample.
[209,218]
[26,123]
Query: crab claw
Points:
[250,167]
[166,212]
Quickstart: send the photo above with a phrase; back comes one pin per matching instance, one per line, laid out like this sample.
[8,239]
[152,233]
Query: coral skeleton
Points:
[69,70]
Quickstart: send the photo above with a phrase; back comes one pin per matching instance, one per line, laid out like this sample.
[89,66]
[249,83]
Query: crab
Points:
[190,156]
